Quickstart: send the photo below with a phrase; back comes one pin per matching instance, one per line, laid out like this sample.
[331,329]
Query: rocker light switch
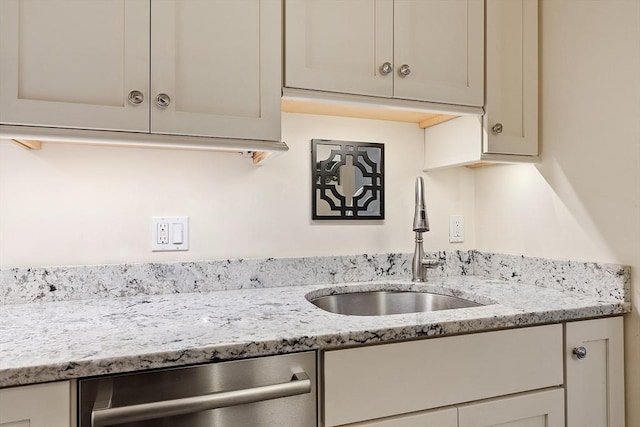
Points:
[177,230]
[169,233]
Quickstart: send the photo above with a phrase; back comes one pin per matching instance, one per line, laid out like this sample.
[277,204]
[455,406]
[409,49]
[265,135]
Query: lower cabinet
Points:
[38,405]
[511,378]
[528,377]
[595,373]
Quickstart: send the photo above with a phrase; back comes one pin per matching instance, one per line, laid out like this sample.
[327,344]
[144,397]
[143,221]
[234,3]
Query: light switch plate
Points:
[169,233]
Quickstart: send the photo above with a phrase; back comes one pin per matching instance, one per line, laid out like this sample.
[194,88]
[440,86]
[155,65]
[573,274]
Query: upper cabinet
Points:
[423,50]
[339,46]
[398,59]
[73,64]
[199,68]
[216,68]
[508,130]
[510,123]
[439,50]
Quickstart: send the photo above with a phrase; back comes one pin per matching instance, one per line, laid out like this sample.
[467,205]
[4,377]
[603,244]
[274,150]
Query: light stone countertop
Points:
[57,340]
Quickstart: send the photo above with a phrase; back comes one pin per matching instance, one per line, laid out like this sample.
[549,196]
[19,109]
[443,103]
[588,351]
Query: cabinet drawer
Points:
[384,380]
[447,417]
[545,408]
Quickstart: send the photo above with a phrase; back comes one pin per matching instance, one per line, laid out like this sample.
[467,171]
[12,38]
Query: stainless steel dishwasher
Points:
[266,391]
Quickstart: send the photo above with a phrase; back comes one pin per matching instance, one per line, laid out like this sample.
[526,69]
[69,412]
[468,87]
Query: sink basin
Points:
[377,303]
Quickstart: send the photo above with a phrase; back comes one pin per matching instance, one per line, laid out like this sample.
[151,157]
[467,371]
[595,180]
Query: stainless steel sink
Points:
[377,303]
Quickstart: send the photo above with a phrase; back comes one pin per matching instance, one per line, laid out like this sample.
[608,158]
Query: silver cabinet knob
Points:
[136,97]
[404,70]
[579,352]
[386,68]
[496,129]
[163,100]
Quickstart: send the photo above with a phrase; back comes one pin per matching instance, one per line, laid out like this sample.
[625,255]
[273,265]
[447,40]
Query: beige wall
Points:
[583,200]
[75,205]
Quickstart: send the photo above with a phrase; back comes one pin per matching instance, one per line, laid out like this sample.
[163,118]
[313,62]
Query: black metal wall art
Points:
[347,180]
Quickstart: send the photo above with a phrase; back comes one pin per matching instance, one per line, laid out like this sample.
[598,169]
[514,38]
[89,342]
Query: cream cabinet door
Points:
[538,409]
[40,405]
[339,46]
[595,383]
[73,64]
[441,45]
[447,417]
[511,118]
[217,65]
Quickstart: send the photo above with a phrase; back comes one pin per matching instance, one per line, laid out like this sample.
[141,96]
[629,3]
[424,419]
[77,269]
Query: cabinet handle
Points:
[163,100]
[496,129]
[404,70]
[136,97]
[579,352]
[386,68]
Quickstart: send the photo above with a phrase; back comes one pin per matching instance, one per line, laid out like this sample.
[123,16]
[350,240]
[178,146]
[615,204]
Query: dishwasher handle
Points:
[104,415]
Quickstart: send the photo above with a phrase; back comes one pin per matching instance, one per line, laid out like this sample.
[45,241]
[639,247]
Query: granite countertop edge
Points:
[120,335]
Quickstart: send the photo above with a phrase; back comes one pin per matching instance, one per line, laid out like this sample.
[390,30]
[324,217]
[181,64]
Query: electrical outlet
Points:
[456,229]
[169,233]
[163,234]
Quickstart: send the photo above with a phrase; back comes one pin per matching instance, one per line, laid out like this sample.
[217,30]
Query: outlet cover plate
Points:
[169,233]
[456,229]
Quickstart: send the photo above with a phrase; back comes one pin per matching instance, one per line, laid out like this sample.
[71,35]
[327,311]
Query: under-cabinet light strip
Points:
[140,140]
[383,103]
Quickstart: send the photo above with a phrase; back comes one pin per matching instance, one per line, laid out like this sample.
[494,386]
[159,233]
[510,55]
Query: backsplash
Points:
[599,280]
[43,284]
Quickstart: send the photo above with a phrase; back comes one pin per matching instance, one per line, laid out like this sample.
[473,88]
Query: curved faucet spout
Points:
[420,225]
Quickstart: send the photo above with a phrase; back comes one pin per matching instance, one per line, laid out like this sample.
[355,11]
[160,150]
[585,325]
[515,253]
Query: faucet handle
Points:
[430,262]
[420,270]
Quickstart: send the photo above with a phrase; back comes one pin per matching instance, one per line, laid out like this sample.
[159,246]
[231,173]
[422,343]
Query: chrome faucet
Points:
[420,225]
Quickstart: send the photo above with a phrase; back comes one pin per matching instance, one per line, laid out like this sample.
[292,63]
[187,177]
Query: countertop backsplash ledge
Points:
[46,284]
